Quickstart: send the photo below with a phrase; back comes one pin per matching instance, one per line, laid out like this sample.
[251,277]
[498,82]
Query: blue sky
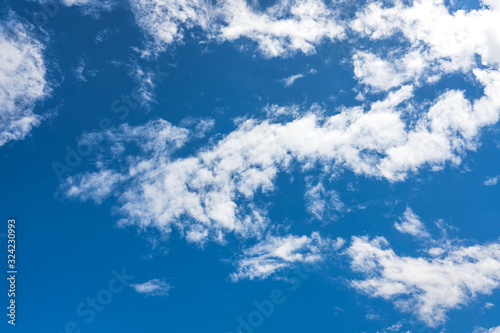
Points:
[281,166]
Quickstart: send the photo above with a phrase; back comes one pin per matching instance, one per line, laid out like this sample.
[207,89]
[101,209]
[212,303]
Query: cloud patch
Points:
[212,192]
[22,79]
[411,224]
[277,253]
[427,287]
[441,41]
[154,287]
[485,330]
[492,181]
[282,29]
[322,203]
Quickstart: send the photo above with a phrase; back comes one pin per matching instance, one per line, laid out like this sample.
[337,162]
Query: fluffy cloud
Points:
[82,72]
[93,186]
[448,129]
[282,29]
[429,287]
[432,41]
[212,192]
[288,81]
[441,41]
[76,2]
[277,253]
[382,74]
[411,224]
[154,287]
[22,80]
[215,191]
[436,41]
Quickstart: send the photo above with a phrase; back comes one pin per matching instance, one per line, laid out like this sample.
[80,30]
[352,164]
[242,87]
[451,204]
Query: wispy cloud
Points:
[282,29]
[277,253]
[154,287]
[291,79]
[82,71]
[426,26]
[321,203]
[91,7]
[492,181]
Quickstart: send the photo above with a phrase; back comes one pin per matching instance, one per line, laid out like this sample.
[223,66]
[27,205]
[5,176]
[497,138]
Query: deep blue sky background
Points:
[66,249]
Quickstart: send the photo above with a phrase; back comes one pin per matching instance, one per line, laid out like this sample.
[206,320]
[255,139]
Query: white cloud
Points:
[154,287]
[166,21]
[492,181]
[449,129]
[210,193]
[394,328]
[430,41]
[214,191]
[436,41]
[288,81]
[384,74]
[76,2]
[95,186]
[88,7]
[428,287]
[158,137]
[485,330]
[370,69]
[371,316]
[291,79]
[489,305]
[411,224]
[321,203]
[441,41]
[275,111]
[277,253]
[82,72]
[22,80]
[282,29]
[203,127]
